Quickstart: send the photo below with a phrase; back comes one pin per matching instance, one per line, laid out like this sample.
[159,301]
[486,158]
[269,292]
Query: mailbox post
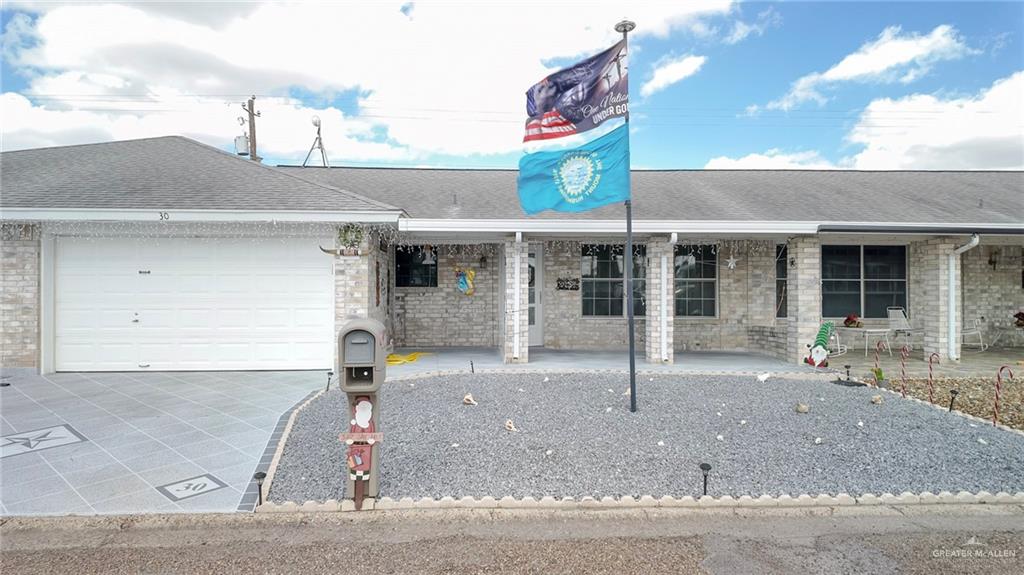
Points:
[361,365]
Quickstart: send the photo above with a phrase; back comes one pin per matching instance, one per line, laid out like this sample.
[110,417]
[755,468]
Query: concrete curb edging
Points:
[813,375]
[647,501]
[279,452]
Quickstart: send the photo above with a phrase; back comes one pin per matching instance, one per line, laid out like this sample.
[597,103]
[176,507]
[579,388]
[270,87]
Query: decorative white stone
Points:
[785,500]
[507,502]
[766,500]
[425,503]
[627,501]
[548,501]
[1003,497]
[447,501]
[647,501]
[335,505]
[984,497]
[888,498]
[845,499]
[487,502]
[804,499]
[348,505]
[745,501]
[385,503]
[405,503]
[928,497]
[528,503]
[824,500]
[588,501]
[289,507]
[965,497]
[946,497]
[309,507]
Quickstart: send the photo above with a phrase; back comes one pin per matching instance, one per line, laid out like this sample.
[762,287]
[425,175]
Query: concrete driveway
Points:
[89,443]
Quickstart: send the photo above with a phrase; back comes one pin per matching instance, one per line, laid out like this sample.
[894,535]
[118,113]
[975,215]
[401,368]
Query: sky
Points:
[714,84]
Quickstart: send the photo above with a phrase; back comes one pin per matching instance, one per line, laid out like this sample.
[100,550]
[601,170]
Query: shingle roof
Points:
[163,173]
[710,195]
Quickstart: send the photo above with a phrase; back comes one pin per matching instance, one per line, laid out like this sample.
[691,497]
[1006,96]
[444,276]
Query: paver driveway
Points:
[139,442]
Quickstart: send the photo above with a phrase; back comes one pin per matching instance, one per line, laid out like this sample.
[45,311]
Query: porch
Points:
[434,359]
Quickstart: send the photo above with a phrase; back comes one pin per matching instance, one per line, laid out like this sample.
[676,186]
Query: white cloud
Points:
[892,57]
[924,132]
[921,132]
[773,159]
[447,78]
[670,71]
[741,30]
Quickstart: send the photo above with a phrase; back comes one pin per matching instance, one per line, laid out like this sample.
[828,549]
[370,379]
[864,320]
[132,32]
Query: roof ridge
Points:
[291,167]
[107,143]
[334,189]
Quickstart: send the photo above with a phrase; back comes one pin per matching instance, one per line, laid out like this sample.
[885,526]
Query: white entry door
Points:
[535,261]
[129,304]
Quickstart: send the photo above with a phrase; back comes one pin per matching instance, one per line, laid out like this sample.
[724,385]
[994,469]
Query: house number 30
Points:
[164,216]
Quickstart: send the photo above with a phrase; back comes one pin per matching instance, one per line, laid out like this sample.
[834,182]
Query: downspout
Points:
[953,255]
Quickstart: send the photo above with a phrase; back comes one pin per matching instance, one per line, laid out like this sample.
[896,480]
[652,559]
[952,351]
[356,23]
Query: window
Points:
[781,273]
[864,280]
[416,266]
[603,274]
[696,270]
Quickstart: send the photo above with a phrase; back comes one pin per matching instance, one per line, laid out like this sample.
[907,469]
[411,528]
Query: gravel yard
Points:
[577,437]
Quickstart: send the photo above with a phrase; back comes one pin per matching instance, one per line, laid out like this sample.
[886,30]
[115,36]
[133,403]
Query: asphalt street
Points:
[922,539]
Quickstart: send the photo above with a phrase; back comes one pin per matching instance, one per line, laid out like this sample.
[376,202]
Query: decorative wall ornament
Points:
[570,284]
[464,281]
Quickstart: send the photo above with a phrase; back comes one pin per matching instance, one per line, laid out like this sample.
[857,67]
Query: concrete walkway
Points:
[459,358]
[139,442]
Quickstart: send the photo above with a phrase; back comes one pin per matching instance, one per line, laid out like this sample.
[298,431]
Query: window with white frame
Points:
[603,284]
[781,280]
[696,289]
[864,280]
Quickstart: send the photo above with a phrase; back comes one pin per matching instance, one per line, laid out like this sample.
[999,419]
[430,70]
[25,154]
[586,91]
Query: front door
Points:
[536,264]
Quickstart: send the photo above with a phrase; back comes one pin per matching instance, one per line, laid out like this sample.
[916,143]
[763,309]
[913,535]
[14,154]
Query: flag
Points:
[580,97]
[579,179]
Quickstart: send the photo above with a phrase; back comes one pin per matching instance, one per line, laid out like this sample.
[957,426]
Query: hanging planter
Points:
[350,237]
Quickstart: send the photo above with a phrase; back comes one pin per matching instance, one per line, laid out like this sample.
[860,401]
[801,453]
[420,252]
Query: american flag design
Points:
[580,97]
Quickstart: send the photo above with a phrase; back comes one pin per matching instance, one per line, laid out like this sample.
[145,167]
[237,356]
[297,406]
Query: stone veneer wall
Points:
[994,293]
[804,303]
[19,295]
[444,316]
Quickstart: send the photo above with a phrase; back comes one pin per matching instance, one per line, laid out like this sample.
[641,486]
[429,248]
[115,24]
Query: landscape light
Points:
[952,397]
[259,476]
[705,468]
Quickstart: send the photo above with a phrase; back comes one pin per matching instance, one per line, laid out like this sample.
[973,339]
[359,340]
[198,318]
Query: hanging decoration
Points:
[730,262]
[464,281]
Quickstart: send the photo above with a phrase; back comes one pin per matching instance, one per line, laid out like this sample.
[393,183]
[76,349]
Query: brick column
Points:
[656,282]
[514,309]
[804,305]
[19,295]
[929,294]
[351,287]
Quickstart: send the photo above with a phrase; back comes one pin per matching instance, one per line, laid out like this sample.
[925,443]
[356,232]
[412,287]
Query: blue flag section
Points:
[579,179]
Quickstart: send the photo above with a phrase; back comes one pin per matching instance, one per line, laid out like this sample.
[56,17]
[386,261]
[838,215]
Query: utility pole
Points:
[253,114]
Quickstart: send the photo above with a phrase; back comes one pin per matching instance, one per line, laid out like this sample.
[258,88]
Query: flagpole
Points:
[626,27]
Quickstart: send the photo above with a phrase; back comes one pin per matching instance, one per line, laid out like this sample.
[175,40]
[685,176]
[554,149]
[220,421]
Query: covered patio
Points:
[434,359]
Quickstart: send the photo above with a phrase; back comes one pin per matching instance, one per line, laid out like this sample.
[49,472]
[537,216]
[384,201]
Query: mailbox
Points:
[361,365]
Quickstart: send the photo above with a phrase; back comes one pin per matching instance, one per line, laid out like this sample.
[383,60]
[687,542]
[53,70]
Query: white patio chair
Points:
[900,326]
[973,329]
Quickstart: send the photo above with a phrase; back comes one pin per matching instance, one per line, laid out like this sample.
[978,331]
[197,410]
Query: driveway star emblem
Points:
[30,442]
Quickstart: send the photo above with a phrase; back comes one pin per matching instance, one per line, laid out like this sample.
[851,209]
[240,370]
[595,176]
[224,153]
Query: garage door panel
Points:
[205,304]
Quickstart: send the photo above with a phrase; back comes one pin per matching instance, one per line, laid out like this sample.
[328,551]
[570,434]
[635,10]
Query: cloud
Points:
[741,30]
[925,132]
[444,78]
[892,57]
[672,70]
[773,159]
[921,132]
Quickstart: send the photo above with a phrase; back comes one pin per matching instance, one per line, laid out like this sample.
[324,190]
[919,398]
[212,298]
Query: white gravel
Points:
[570,444]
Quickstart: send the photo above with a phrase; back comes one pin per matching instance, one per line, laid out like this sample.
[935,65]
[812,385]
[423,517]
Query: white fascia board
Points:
[580,226]
[171,215]
[605,226]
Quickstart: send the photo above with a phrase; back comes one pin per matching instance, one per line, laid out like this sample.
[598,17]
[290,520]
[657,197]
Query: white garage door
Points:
[192,304]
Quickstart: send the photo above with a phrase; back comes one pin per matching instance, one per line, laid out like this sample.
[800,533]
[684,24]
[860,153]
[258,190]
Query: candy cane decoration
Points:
[931,376]
[904,354]
[999,383]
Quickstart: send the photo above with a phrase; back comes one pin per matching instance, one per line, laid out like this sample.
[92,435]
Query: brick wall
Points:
[564,324]
[994,293]
[444,316]
[804,303]
[656,251]
[19,295]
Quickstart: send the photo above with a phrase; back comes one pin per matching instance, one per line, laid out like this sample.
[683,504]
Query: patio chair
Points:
[973,329]
[835,347]
[900,326]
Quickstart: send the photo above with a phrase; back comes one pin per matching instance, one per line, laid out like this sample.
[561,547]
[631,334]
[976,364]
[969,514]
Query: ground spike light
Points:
[705,469]
[259,476]
[952,397]
[330,374]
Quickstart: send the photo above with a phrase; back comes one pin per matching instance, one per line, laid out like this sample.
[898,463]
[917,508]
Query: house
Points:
[167,254]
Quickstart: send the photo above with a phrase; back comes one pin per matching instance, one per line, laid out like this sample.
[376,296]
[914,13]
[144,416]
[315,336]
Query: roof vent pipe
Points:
[953,255]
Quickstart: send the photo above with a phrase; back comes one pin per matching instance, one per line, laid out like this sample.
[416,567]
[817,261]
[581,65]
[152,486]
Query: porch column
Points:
[660,301]
[351,287]
[804,303]
[516,345]
[929,294]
